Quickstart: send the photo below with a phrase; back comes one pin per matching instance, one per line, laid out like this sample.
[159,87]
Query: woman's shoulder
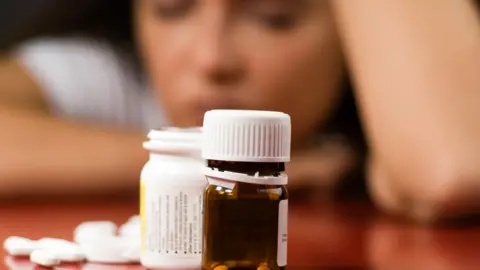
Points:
[66,48]
[84,78]
[71,57]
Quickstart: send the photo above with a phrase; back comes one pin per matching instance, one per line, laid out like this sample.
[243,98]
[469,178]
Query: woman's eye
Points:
[277,21]
[274,15]
[172,10]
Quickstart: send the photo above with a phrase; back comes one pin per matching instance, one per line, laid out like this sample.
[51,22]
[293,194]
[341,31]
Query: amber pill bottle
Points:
[246,201]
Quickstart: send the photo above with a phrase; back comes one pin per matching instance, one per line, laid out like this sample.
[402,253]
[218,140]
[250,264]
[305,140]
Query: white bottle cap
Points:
[171,139]
[246,136]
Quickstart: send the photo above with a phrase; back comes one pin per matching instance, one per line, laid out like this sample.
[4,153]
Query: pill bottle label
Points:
[173,220]
[282,233]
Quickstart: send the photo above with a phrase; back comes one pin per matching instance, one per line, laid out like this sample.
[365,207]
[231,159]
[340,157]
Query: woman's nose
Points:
[215,54]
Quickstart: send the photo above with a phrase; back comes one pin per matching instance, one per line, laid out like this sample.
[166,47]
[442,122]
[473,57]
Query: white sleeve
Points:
[84,80]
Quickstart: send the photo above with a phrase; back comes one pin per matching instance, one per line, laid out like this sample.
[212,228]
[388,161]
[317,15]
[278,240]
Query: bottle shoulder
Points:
[244,191]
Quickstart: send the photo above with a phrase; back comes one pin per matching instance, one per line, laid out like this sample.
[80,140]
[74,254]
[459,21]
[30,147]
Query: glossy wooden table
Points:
[322,235]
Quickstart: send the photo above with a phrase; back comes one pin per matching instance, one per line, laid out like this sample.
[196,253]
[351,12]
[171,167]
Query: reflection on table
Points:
[322,235]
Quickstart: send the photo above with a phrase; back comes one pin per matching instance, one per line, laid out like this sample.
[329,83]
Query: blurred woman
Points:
[75,107]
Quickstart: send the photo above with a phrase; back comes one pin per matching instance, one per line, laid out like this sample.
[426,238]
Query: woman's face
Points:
[281,55]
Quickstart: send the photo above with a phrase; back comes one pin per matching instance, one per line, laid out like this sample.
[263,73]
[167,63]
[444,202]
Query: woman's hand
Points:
[416,67]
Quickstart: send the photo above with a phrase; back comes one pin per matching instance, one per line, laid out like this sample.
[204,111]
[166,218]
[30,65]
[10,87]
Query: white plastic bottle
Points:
[171,199]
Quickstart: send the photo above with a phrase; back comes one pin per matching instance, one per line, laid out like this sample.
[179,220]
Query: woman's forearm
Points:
[416,68]
[45,156]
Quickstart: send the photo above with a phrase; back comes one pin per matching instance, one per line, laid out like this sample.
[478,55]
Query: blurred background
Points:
[91,103]
[57,68]
[71,155]
[24,19]
[18,17]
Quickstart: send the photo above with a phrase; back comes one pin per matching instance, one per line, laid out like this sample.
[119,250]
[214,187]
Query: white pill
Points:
[93,229]
[19,246]
[73,255]
[130,229]
[134,219]
[105,249]
[130,240]
[62,249]
[132,248]
[43,257]
[132,254]
[54,243]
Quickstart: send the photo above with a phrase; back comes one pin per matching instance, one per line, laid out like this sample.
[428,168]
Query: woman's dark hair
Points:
[105,20]
[112,22]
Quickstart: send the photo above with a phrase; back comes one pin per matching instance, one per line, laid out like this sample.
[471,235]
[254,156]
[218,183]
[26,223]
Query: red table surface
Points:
[322,235]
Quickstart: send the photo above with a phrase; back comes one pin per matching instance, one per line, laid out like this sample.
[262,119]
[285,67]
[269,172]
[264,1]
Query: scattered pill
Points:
[62,249]
[43,257]
[130,229]
[71,255]
[19,246]
[130,241]
[95,242]
[134,219]
[93,229]
[105,249]
[132,254]
[131,247]
[54,243]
